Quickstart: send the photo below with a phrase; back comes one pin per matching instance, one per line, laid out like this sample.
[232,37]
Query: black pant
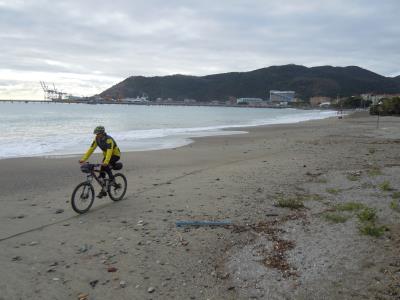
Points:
[107,169]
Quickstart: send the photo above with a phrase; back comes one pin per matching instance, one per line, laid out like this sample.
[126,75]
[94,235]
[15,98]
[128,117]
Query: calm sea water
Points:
[36,129]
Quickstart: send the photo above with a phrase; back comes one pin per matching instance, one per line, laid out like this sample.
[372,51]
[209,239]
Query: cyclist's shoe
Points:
[114,184]
[102,194]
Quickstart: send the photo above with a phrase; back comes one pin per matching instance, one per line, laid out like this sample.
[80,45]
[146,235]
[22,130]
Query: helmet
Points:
[99,129]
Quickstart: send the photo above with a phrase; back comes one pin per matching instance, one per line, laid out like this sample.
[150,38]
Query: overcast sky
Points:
[86,46]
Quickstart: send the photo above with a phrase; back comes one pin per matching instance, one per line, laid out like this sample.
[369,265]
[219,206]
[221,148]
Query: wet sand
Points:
[271,252]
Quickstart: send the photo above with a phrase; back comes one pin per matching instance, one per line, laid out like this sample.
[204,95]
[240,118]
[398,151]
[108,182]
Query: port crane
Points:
[52,93]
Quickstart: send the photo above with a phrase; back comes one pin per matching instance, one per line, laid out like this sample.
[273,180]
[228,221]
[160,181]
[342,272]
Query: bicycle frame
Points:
[92,174]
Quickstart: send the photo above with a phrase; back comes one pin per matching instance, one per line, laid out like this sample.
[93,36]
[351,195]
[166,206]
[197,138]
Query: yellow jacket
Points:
[107,145]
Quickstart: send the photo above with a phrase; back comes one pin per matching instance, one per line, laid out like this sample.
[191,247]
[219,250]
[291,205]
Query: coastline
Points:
[236,177]
[146,139]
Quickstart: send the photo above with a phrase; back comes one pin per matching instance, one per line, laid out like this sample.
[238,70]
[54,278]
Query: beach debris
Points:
[151,289]
[203,223]
[59,211]
[313,174]
[93,283]
[277,258]
[122,283]
[112,269]
[83,296]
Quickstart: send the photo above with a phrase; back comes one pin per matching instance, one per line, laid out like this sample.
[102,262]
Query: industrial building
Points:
[249,101]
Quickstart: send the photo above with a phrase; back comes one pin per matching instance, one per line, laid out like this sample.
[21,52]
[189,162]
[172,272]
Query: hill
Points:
[306,82]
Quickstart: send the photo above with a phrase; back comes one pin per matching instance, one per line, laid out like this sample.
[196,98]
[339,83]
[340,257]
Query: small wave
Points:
[48,141]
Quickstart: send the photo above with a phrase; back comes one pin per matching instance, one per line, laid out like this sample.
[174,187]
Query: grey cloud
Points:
[122,38]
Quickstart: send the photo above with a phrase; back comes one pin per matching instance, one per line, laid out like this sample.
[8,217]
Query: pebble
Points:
[112,269]
[151,289]
[83,296]
[34,243]
[122,283]
[83,249]
[93,283]
[59,211]
[17,258]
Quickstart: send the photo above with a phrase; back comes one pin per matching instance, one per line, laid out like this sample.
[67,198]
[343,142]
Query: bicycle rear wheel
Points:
[82,197]
[117,189]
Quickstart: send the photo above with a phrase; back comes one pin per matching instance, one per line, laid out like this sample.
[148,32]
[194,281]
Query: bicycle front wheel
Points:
[117,189]
[82,197]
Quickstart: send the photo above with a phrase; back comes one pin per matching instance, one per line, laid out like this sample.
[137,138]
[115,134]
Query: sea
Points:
[60,129]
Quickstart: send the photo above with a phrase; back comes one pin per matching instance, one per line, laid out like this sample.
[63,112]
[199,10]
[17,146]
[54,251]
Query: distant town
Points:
[275,99]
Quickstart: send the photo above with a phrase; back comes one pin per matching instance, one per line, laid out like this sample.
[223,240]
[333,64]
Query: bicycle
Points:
[83,195]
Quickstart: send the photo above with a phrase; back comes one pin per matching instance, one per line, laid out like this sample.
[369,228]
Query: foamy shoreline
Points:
[167,138]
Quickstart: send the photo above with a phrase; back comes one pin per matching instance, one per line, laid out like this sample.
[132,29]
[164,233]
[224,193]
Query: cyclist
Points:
[111,154]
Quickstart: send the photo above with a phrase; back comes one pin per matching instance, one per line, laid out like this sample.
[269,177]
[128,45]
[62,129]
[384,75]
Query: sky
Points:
[86,46]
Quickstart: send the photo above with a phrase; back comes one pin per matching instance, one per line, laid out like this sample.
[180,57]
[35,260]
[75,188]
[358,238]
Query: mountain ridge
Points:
[305,81]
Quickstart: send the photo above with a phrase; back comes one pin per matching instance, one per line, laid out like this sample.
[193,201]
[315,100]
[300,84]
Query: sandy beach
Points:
[313,251]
